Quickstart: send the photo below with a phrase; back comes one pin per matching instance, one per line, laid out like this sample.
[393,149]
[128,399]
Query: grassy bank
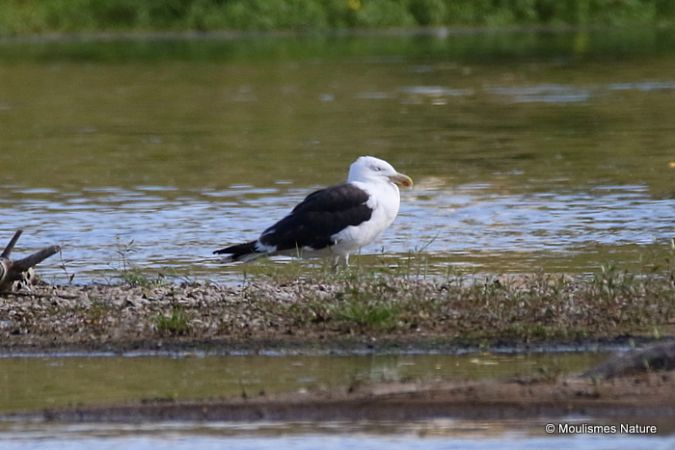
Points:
[41,16]
[347,309]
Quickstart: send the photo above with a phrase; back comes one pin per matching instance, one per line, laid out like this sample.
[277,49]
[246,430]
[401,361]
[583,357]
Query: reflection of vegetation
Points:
[616,137]
[26,16]
[482,48]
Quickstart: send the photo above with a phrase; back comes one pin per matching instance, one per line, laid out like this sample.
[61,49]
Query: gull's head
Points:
[369,168]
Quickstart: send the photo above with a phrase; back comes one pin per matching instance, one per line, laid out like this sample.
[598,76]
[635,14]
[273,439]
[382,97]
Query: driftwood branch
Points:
[11,271]
[36,258]
[8,250]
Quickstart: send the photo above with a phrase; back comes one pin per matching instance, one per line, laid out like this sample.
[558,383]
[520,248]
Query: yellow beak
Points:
[402,180]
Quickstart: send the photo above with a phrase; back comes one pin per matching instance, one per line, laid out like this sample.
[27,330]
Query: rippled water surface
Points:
[442,434]
[528,150]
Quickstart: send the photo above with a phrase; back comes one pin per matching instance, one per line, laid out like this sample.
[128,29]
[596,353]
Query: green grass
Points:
[127,271]
[365,304]
[175,324]
[382,298]
[375,301]
[524,308]
[358,315]
[135,277]
[39,16]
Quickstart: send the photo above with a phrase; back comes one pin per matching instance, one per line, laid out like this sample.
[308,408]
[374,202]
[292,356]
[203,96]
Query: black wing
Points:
[318,217]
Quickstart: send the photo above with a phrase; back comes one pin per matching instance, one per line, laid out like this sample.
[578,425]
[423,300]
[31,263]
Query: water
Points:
[529,150]
[30,383]
[441,434]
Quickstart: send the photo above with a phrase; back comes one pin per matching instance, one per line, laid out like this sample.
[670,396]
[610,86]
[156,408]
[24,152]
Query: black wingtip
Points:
[237,252]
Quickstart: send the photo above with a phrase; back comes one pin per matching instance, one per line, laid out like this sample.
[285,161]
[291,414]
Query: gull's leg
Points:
[336,263]
[340,261]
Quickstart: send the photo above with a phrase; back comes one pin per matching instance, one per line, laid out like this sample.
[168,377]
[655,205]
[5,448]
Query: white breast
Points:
[384,201]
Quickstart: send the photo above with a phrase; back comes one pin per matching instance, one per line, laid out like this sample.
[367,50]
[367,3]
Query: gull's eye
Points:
[378,169]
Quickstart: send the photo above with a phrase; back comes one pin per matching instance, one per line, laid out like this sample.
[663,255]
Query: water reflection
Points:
[527,150]
[547,93]
[31,383]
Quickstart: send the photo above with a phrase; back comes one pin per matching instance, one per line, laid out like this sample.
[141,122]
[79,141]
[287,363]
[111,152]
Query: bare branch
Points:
[36,258]
[11,271]
[8,250]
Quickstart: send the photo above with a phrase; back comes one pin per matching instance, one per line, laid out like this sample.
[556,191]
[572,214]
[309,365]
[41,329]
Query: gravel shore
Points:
[357,312]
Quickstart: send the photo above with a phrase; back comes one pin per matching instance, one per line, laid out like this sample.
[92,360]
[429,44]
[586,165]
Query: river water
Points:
[529,149]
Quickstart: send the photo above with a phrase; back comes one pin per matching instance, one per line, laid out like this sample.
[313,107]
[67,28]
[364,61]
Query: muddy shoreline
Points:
[337,346]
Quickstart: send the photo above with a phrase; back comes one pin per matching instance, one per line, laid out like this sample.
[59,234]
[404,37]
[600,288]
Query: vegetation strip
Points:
[40,16]
[349,308]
